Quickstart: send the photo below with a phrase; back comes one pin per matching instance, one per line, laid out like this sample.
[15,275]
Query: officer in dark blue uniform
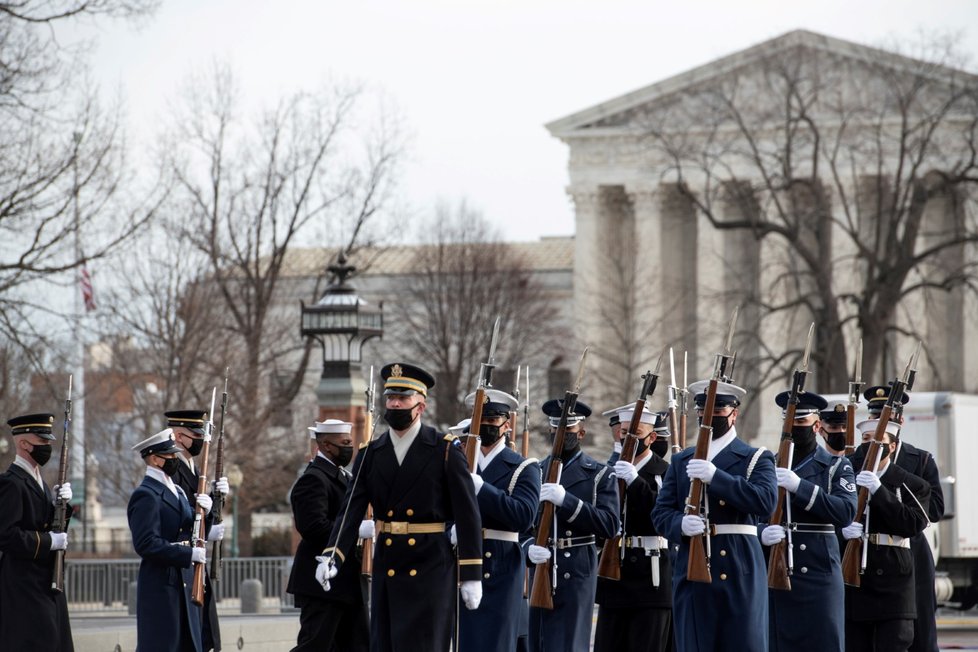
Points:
[833,429]
[730,613]
[416,479]
[32,616]
[161,521]
[880,612]
[337,616]
[507,488]
[920,463]
[635,611]
[586,508]
[822,491]
[615,424]
[188,430]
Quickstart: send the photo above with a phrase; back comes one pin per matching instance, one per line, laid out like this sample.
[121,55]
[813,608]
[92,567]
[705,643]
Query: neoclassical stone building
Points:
[802,179]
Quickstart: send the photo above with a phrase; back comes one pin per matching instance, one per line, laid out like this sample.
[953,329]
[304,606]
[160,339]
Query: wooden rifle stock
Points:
[777,563]
[200,532]
[217,547]
[698,565]
[367,551]
[850,429]
[60,522]
[472,440]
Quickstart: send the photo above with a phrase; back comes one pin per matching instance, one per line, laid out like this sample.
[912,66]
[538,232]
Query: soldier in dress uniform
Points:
[731,612]
[32,616]
[188,429]
[635,612]
[586,506]
[880,613]
[416,480]
[833,429]
[615,424]
[161,520]
[822,491]
[507,488]
[337,619]
[921,463]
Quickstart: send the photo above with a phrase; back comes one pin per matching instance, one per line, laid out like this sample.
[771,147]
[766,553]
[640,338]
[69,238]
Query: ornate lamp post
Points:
[341,321]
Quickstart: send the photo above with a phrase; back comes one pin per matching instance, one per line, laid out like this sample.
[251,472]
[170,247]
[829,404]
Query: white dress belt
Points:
[649,542]
[893,540]
[749,530]
[500,535]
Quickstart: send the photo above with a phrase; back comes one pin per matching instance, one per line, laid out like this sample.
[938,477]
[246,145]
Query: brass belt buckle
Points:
[399,527]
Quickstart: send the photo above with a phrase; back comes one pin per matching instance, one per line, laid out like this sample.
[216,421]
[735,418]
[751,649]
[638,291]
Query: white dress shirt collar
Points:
[717,445]
[402,442]
[159,476]
[485,460]
[33,471]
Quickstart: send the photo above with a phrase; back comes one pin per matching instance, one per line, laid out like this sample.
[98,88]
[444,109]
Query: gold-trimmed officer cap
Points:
[403,379]
[876,398]
[33,424]
[192,420]
[835,416]
[162,443]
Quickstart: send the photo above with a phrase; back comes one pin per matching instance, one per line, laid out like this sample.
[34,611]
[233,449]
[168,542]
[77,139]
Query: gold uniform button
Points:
[412,573]
[390,513]
[723,576]
[411,541]
[390,572]
[722,503]
[723,553]
[387,542]
[488,555]
[410,512]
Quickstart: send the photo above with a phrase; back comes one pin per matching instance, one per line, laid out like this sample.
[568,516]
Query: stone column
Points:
[678,286]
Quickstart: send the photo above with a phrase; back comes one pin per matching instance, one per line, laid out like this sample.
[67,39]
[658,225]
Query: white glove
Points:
[222,487]
[553,492]
[216,533]
[537,554]
[772,534]
[59,541]
[693,525]
[367,530]
[853,530]
[198,555]
[471,593]
[626,471]
[453,536]
[325,571]
[62,492]
[869,480]
[701,470]
[477,481]
[203,500]
[788,479]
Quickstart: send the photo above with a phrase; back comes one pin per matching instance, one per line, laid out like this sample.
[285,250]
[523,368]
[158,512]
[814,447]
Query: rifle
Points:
[780,563]
[698,566]
[609,565]
[544,579]
[60,522]
[485,375]
[197,592]
[514,416]
[367,557]
[854,560]
[673,406]
[854,386]
[683,396]
[526,417]
[217,547]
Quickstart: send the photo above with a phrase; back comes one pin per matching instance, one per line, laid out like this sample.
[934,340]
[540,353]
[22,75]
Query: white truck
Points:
[946,425]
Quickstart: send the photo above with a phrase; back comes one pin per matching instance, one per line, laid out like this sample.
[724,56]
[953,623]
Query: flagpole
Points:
[79,463]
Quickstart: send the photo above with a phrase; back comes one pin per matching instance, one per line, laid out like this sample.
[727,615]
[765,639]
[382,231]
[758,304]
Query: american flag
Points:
[88,294]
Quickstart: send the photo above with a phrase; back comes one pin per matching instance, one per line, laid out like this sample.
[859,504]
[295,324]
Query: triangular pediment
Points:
[626,112]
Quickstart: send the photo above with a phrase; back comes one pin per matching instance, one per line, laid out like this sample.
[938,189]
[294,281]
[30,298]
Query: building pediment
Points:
[631,112]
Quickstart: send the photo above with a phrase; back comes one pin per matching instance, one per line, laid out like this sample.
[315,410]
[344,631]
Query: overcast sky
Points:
[477,79]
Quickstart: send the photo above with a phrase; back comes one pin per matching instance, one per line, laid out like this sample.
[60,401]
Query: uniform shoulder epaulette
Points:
[449,437]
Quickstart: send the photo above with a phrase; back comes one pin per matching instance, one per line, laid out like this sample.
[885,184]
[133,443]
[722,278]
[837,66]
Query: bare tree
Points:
[463,280]
[836,162]
[247,190]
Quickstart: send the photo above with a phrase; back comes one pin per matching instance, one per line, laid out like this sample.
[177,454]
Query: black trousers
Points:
[639,629]
[893,635]
[332,627]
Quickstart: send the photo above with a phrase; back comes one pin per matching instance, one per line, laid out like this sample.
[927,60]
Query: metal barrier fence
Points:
[103,584]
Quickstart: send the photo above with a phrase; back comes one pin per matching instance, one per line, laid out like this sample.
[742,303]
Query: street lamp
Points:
[341,321]
[235,478]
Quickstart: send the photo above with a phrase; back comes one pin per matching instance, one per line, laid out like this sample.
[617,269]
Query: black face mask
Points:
[196,446]
[571,445]
[344,456]
[170,466]
[720,426]
[804,438]
[41,454]
[836,440]
[489,434]
[660,446]
[884,451]
[399,418]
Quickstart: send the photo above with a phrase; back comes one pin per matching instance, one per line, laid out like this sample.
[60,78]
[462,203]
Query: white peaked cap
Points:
[869,425]
[330,427]
[161,443]
[625,415]
[460,426]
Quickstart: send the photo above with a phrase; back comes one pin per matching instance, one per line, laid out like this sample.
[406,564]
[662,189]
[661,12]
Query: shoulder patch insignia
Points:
[848,486]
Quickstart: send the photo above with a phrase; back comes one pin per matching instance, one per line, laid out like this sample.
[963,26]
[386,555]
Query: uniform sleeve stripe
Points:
[812,500]
[339,554]
[470,562]
[577,510]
